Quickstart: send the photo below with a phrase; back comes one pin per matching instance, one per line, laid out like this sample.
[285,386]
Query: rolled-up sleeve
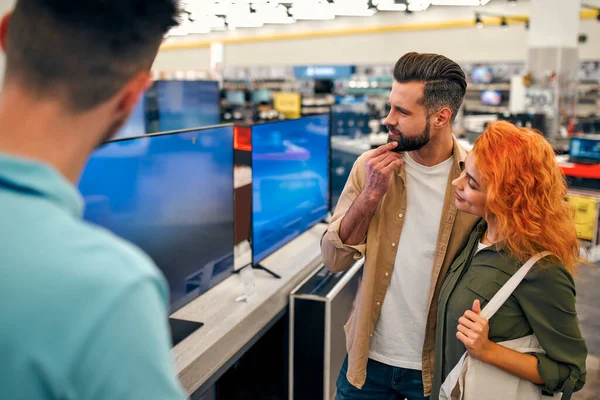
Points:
[548,300]
[337,255]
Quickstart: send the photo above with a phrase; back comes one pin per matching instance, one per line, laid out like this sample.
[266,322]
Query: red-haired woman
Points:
[512,181]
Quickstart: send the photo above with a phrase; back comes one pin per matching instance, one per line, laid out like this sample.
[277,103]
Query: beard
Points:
[409,143]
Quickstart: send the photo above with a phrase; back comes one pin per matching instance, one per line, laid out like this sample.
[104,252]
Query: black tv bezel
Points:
[251,126]
[183,131]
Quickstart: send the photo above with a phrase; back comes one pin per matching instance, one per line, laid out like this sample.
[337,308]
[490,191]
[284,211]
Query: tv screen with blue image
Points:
[235,97]
[187,104]
[172,196]
[261,96]
[290,181]
[136,124]
[350,120]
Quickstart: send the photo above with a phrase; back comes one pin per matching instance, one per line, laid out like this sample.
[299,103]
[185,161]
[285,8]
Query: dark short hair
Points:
[84,52]
[445,81]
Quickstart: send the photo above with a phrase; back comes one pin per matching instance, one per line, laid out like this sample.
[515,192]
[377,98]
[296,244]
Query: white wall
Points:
[183,60]
[462,44]
[591,49]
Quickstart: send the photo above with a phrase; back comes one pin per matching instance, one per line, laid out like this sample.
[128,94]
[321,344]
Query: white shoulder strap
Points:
[505,291]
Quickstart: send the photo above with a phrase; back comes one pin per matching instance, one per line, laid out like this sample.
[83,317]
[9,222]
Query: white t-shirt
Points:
[481,246]
[400,330]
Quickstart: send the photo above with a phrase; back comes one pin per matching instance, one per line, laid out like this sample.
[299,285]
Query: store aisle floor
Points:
[588,308]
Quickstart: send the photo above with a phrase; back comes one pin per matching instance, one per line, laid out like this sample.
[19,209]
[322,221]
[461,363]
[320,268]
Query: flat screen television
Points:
[491,98]
[187,104]
[136,124]
[290,181]
[482,75]
[235,97]
[170,194]
[261,96]
[350,120]
[585,149]
[350,99]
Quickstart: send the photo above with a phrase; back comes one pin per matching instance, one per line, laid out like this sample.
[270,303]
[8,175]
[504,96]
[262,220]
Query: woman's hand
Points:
[473,331]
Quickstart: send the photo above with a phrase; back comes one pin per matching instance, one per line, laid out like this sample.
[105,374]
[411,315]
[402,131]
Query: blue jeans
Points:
[383,383]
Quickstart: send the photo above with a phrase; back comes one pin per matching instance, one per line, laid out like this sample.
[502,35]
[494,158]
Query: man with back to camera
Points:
[398,211]
[83,314]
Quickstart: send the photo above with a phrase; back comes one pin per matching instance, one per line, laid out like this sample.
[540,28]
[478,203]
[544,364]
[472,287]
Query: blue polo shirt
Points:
[83,314]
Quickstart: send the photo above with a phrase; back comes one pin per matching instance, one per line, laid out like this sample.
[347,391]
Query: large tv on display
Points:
[350,120]
[171,195]
[482,75]
[290,181]
[187,104]
[136,124]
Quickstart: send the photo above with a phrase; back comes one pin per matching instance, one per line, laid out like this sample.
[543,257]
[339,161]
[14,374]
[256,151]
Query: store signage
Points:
[289,104]
[324,71]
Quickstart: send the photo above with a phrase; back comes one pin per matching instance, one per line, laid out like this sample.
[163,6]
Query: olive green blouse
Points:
[544,304]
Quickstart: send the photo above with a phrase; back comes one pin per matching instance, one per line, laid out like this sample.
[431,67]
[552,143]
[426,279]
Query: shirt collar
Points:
[458,153]
[37,179]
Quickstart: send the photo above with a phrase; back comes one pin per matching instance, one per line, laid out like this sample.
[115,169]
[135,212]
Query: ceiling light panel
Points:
[417,5]
[472,3]
[390,5]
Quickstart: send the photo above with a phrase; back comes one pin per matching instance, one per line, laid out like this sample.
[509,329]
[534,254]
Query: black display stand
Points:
[181,329]
[267,270]
[260,267]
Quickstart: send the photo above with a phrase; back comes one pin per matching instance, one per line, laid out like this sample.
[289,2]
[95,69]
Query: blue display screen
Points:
[290,181]
[324,71]
[172,196]
[136,124]
[350,120]
[261,96]
[235,97]
[187,104]
[585,148]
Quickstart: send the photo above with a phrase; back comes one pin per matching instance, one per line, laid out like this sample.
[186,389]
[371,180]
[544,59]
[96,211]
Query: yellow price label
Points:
[585,215]
[288,103]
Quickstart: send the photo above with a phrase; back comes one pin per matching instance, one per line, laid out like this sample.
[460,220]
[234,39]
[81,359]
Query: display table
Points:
[231,327]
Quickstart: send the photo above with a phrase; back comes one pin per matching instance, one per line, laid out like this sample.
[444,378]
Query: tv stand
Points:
[181,329]
[267,270]
[262,268]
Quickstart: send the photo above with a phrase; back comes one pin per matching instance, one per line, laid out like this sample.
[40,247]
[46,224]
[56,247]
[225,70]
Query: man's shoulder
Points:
[105,253]
[75,254]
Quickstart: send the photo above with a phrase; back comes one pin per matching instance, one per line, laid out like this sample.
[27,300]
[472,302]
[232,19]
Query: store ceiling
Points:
[204,16]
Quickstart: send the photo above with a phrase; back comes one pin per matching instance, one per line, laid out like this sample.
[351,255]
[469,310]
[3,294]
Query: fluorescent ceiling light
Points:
[419,6]
[244,23]
[312,10]
[243,18]
[390,5]
[273,14]
[472,3]
[353,10]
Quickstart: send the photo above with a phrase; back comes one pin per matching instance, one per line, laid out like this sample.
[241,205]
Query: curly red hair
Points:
[526,193]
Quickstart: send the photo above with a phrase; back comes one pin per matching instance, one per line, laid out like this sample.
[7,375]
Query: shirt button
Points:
[371,335]
[400,215]
[387,274]
[378,303]
[393,244]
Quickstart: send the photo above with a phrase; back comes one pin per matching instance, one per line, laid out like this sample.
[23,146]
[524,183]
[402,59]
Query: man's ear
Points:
[4,25]
[131,93]
[443,117]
